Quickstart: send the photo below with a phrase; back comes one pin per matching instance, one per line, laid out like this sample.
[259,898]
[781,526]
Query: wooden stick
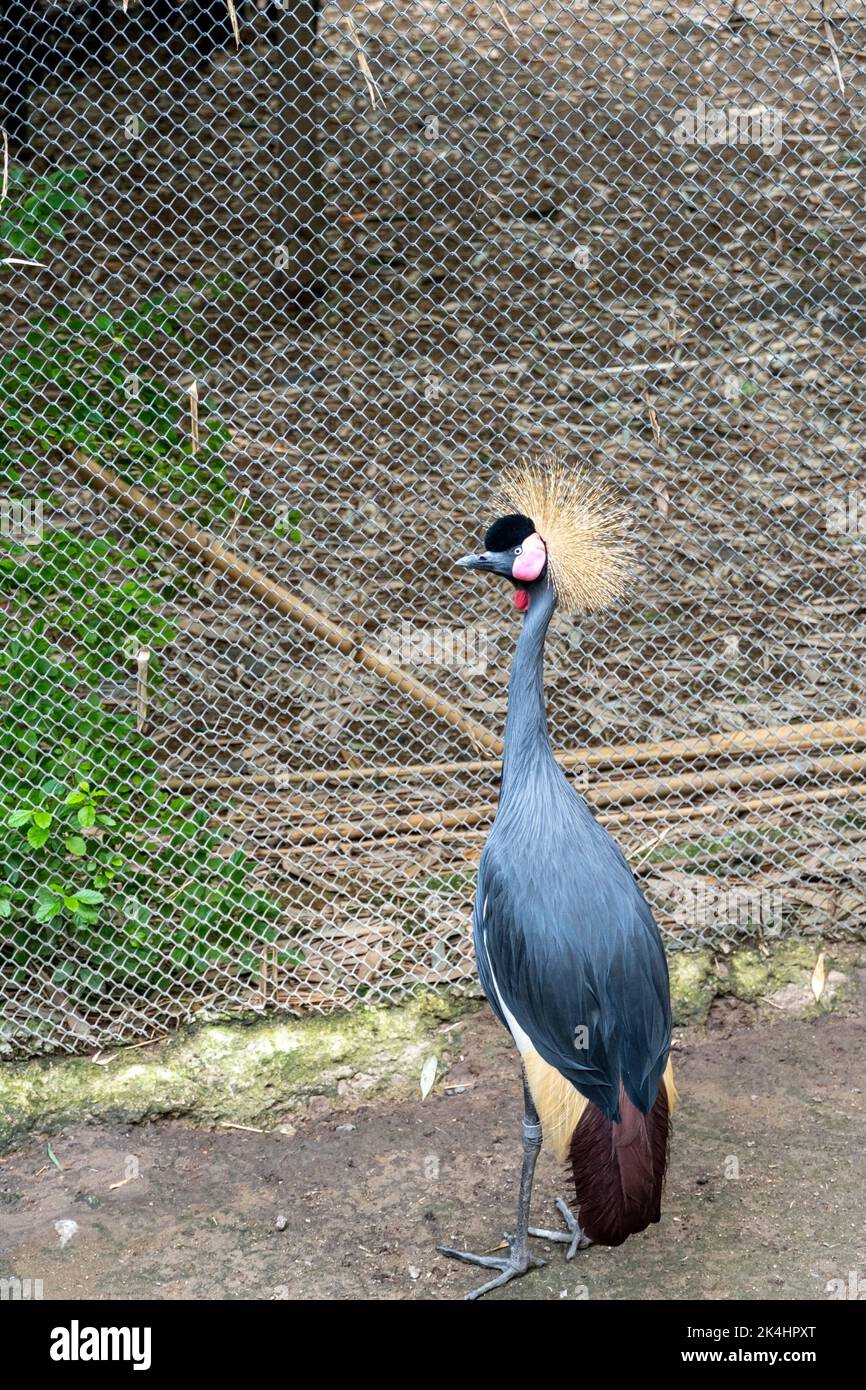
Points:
[637,815]
[209,547]
[648,788]
[636,789]
[765,802]
[819,735]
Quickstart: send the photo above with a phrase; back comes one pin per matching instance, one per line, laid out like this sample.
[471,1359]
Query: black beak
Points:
[476,562]
[492,561]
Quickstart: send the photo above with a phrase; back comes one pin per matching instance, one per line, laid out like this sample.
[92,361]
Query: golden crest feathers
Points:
[585,530]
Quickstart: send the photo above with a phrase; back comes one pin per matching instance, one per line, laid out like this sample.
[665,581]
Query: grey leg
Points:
[519,1260]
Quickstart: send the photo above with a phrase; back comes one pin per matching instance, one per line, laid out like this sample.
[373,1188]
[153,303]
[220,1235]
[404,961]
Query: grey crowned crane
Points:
[568,953]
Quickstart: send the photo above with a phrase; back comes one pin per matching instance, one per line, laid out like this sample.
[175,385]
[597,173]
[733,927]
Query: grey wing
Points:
[583,972]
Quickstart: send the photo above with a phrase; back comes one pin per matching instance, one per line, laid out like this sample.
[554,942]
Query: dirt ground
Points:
[352,1204]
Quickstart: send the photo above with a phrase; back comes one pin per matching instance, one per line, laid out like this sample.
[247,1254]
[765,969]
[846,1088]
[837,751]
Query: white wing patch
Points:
[522,1039]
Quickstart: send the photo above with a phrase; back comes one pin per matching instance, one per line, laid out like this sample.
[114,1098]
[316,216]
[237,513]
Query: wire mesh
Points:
[282,288]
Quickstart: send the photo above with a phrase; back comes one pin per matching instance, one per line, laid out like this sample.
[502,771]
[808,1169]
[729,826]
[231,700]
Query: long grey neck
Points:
[527,744]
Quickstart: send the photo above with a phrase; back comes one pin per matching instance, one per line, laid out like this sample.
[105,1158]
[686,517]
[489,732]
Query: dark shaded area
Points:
[37,40]
[87,47]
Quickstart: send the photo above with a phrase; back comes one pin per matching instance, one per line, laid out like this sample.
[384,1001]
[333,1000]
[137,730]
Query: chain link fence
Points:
[282,289]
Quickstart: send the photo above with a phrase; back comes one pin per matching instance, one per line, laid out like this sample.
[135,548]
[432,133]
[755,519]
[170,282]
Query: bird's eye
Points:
[518,550]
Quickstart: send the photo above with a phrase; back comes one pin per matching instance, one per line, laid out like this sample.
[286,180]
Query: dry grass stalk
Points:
[142,662]
[653,419]
[776,801]
[235,26]
[373,90]
[243,499]
[506,21]
[834,51]
[704,812]
[193,417]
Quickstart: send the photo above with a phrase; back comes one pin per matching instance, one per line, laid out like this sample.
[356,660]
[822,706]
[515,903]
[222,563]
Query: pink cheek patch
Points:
[529,565]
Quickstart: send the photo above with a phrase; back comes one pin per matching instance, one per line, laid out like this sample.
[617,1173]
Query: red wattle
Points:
[521,599]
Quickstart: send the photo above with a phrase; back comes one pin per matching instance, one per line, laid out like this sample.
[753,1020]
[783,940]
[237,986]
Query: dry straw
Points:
[373,90]
[194,435]
[233,16]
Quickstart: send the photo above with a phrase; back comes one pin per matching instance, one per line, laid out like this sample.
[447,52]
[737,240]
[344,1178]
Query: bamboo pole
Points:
[778,801]
[822,734]
[632,790]
[209,547]
[774,801]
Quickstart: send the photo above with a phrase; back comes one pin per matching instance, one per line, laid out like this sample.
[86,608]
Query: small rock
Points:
[345,1129]
[414,1272]
[66,1230]
[793,998]
[281,1223]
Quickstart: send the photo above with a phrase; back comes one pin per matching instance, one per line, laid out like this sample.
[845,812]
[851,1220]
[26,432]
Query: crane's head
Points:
[514,549]
[564,529]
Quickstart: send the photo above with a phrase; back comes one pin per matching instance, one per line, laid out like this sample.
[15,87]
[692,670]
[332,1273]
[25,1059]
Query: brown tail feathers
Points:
[619,1169]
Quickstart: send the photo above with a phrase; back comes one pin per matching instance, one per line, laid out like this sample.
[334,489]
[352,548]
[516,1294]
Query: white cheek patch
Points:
[529,565]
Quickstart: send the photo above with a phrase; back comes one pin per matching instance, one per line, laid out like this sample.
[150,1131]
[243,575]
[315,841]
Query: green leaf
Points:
[46,910]
[37,836]
[76,845]
[43,819]
[86,817]
[18,818]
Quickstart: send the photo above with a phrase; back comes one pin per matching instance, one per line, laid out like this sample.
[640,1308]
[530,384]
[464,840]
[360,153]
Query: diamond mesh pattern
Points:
[306,292]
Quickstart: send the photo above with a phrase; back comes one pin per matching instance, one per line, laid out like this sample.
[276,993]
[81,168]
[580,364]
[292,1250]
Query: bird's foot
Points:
[573,1237]
[513,1267]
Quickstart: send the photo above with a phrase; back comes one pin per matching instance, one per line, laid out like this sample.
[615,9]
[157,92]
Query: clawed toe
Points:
[573,1237]
[485,1261]
[511,1268]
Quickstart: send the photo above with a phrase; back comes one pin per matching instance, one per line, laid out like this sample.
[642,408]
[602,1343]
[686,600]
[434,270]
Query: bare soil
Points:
[363,1196]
